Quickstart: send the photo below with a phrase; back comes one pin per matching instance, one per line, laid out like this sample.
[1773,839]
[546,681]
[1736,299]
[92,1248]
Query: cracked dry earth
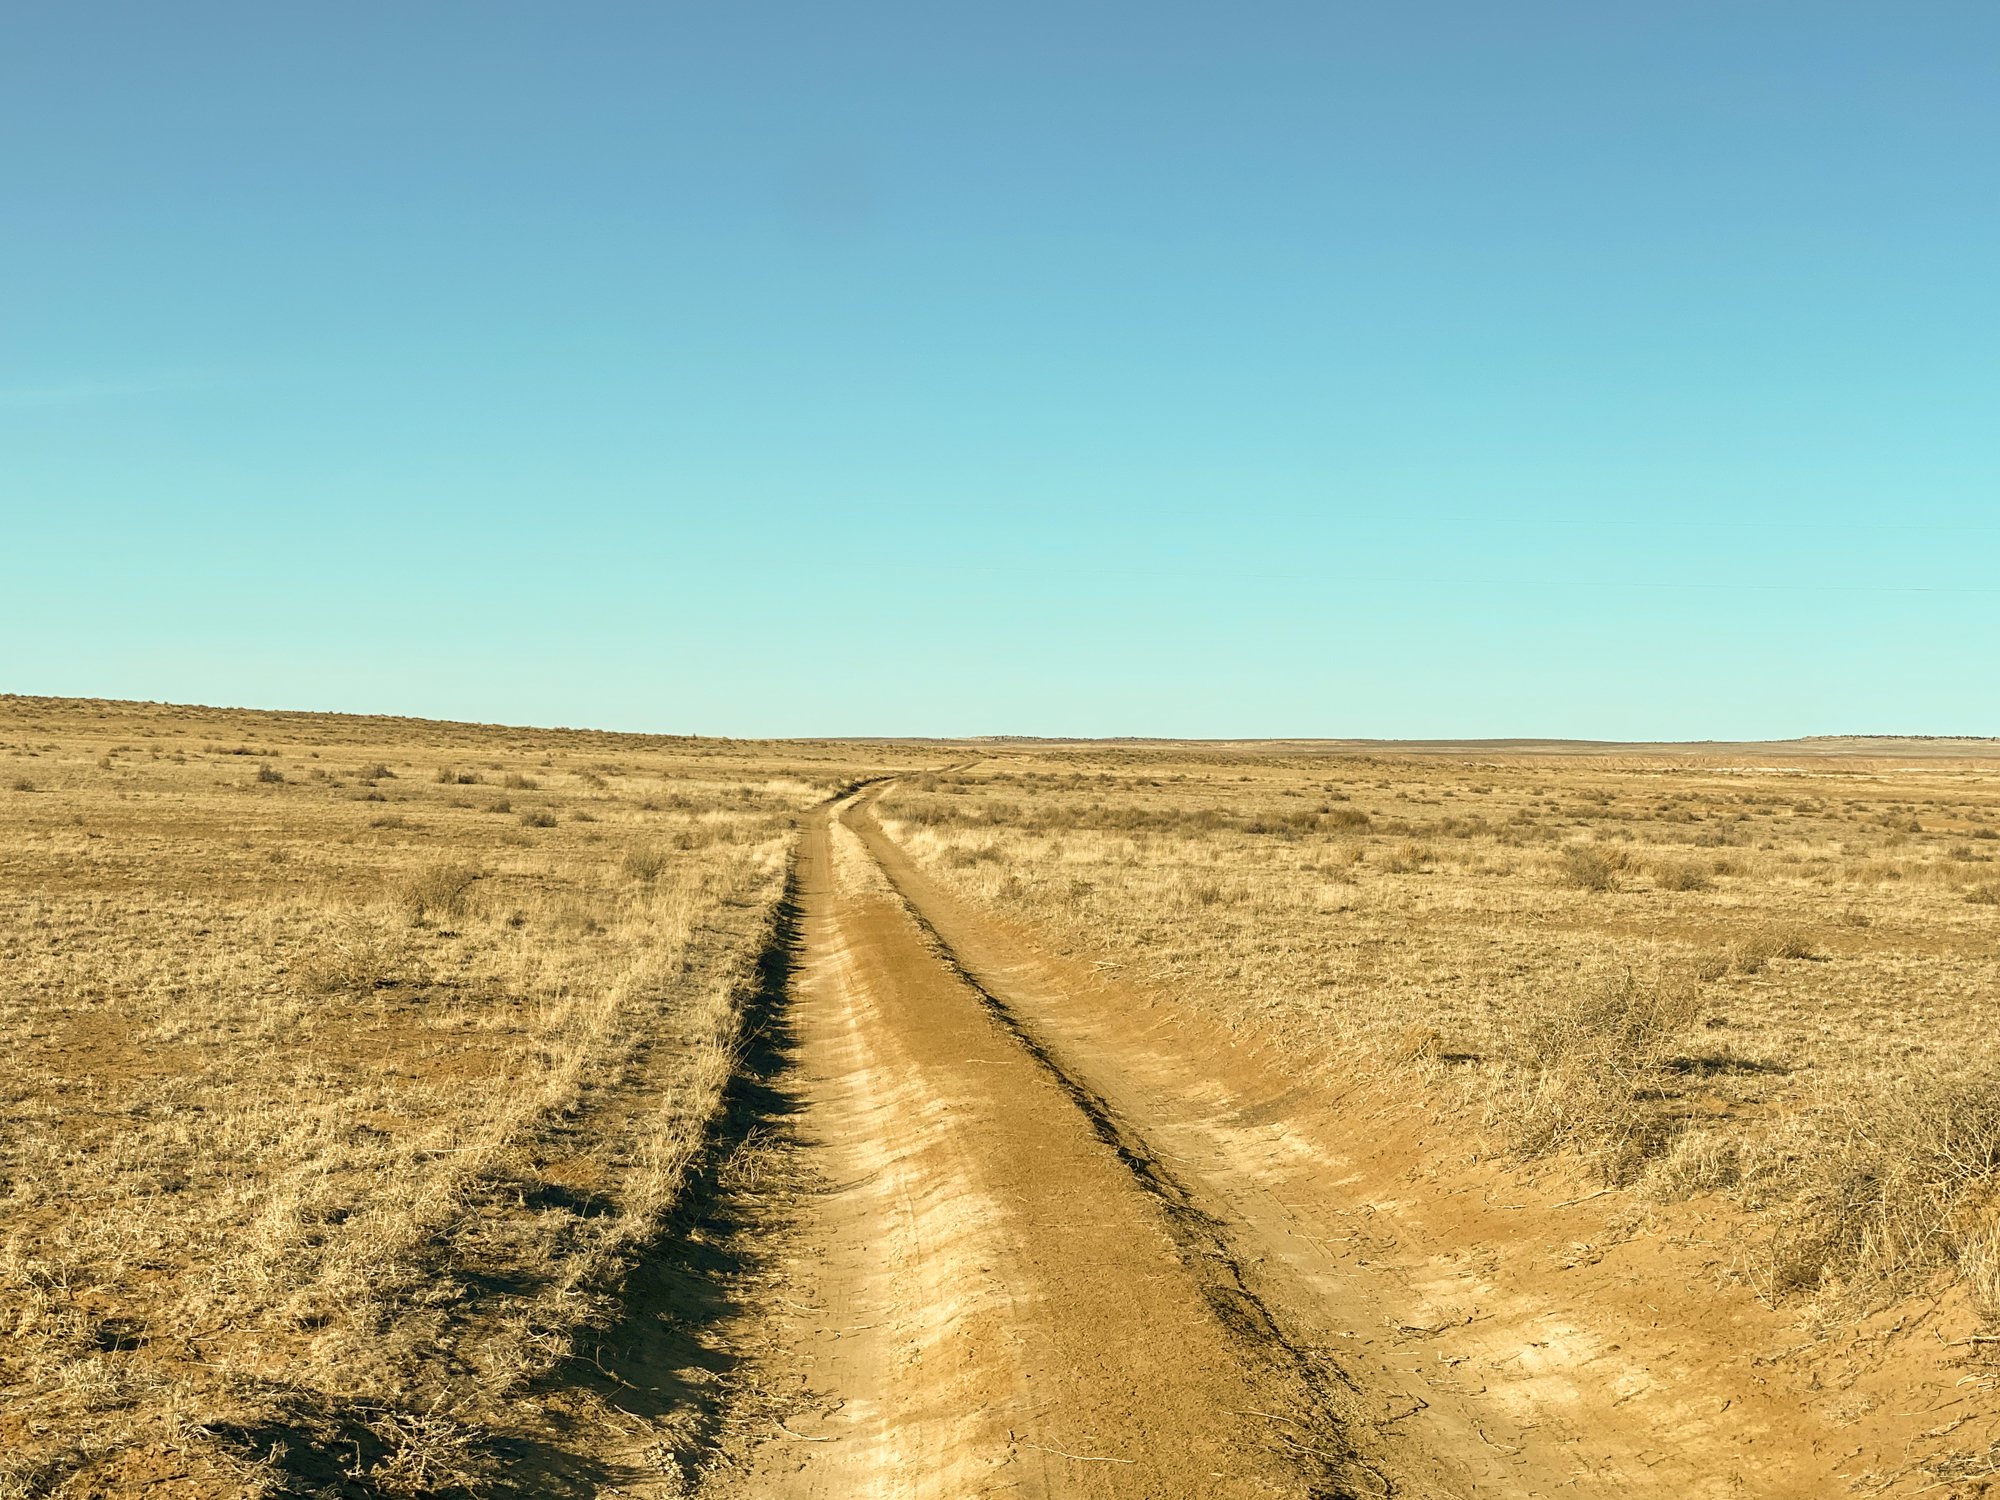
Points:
[1044,1237]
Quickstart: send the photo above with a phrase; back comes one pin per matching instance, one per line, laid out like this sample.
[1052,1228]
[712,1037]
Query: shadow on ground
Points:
[661,1361]
[658,1361]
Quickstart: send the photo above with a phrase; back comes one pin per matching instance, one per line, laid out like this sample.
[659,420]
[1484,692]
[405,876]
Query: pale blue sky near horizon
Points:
[1439,369]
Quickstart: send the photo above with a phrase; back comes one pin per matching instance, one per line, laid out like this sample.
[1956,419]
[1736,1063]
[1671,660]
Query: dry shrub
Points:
[1749,955]
[1753,951]
[1898,1191]
[1795,942]
[1410,859]
[443,889]
[646,863]
[1285,825]
[1984,895]
[1619,1014]
[1682,877]
[1695,1161]
[426,1453]
[353,957]
[1976,1254]
[1589,869]
[1598,1056]
[756,1162]
[538,818]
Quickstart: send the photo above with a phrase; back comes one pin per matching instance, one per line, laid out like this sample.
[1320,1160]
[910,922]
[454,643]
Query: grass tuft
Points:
[1589,869]
[1907,1188]
[441,889]
[646,863]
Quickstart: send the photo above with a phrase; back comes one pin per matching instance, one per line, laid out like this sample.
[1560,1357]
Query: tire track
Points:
[1000,1287]
[1204,1241]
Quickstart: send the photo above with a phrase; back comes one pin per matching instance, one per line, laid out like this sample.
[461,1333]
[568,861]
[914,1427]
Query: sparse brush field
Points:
[1770,976]
[359,1078]
[345,1065]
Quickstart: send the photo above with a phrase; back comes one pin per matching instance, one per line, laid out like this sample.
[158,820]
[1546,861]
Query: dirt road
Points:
[1055,1239]
[987,1296]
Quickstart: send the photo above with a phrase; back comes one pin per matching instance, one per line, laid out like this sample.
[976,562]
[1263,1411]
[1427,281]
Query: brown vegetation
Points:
[1764,978]
[350,1066]
[336,1108]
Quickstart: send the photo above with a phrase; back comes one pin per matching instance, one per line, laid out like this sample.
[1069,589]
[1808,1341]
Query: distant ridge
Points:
[17,707]
[1978,739]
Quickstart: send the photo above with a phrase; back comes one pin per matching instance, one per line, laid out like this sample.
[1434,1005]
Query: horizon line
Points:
[1824,740]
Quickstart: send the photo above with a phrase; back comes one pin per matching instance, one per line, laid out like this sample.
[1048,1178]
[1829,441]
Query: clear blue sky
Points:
[1225,369]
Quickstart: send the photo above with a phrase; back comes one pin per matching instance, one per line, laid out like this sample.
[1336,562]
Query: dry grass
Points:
[1768,978]
[1588,1058]
[335,1104]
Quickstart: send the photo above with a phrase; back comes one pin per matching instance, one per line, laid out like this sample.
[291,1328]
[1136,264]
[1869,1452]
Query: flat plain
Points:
[347,1066]
[1769,971]
[398,1108]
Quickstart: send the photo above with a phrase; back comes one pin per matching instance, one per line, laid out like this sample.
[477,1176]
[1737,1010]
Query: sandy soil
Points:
[1056,1236]
[984,1295]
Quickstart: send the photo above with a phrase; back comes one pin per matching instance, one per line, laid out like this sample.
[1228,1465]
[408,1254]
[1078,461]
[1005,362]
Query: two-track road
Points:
[1055,1242]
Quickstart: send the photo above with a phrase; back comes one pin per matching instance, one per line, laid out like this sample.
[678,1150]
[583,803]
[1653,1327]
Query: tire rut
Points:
[1204,1243]
[1003,1286]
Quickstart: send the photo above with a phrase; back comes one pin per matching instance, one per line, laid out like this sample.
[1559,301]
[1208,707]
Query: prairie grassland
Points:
[1769,976]
[345,1065]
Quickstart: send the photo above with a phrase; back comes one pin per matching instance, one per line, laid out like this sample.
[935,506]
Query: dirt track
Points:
[1064,1241]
